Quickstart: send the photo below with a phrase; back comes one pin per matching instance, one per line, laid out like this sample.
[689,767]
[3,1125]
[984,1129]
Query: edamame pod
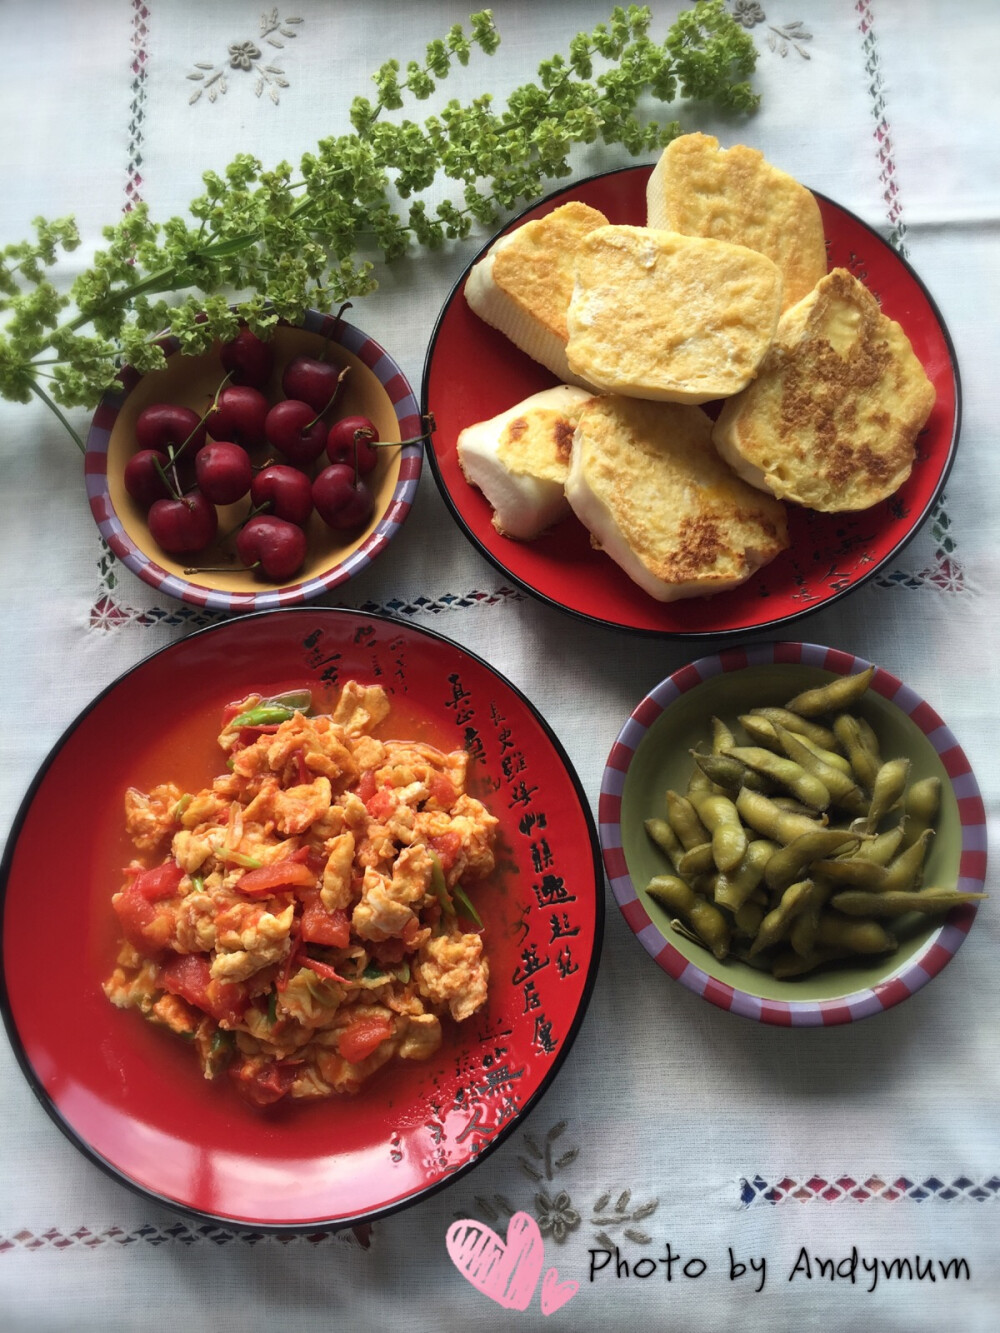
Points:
[840,694]
[702,916]
[856,934]
[788,864]
[665,838]
[802,726]
[843,790]
[729,837]
[734,889]
[684,821]
[762,814]
[864,762]
[777,923]
[722,737]
[906,871]
[695,861]
[853,872]
[887,790]
[789,774]
[788,963]
[931,902]
[921,806]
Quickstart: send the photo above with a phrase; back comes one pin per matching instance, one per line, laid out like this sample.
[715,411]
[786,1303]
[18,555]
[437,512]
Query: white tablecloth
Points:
[694,1132]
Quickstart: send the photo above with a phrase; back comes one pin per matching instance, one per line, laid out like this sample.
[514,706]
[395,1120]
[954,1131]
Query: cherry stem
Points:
[333,398]
[253,511]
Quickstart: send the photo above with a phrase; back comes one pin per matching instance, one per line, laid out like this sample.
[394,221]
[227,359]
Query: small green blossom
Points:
[260,244]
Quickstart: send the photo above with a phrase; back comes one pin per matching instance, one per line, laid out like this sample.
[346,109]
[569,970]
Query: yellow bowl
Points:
[375,387]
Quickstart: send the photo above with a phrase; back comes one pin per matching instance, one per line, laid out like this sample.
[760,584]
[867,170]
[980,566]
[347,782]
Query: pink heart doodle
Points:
[555,1294]
[506,1272]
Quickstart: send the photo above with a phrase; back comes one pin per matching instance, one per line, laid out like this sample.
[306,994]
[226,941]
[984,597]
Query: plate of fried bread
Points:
[691,399]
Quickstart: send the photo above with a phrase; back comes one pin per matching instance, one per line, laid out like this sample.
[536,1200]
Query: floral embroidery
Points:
[246,56]
[789,35]
[781,38]
[554,1210]
[555,1216]
[622,1215]
[243,54]
[748,13]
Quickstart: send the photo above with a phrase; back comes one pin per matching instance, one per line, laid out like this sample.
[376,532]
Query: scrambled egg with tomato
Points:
[304,919]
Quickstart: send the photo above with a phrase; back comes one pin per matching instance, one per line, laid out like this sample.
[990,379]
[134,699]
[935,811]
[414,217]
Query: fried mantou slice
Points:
[523,284]
[734,194]
[519,459]
[832,418]
[646,481]
[674,318]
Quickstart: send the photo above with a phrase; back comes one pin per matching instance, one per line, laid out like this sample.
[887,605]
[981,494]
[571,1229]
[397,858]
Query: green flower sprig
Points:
[264,244]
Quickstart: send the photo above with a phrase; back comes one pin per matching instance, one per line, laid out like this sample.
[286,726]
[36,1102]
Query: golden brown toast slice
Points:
[523,284]
[675,318]
[832,418]
[646,481]
[735,194]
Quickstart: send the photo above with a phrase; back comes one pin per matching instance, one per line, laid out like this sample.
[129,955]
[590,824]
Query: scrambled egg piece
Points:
[295,919]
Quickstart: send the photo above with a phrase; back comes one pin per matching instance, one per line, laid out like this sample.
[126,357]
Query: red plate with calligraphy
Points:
[472,372]
[131,1096]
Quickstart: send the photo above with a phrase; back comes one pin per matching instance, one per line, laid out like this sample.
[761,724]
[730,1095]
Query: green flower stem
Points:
[36,388]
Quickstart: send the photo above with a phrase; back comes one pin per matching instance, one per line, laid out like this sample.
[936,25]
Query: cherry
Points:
[275,546]
[294,427]
[183,525]
[224,472]
[285,491]
[239,415]
[143,480]
[341,498]
[311,380]
[247,359]
[167,426]
[353,439]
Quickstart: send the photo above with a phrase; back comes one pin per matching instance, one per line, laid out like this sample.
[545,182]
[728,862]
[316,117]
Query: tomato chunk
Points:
[160,882]
[318,926]
[442,791]
[188,976]
[263,1085]
[364,1036]
[265,880]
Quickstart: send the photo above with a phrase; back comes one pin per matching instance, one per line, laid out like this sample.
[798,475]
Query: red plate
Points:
[473,372]
[131,1096]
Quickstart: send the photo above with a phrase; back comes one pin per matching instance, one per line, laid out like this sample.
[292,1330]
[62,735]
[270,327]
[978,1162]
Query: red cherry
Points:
[350,437]
[239,416]
[275,546]
[342,500]
[293,427]
[285,491]
[167,426]
[187,524]
[247,359]
[311,380]
[143,481]
[224,472]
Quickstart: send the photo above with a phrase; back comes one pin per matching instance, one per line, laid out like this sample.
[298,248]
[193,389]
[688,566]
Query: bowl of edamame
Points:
[793,833]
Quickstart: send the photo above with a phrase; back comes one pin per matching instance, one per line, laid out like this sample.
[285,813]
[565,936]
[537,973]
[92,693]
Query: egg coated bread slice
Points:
[832,419]
[655,496]
[674,318]
[519,459]
[523,284]
[734,194]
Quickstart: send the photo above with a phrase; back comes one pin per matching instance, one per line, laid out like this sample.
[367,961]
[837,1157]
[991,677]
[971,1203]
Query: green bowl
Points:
[653,754]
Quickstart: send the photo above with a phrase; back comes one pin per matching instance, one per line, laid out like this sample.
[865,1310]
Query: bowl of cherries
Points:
[263,473]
